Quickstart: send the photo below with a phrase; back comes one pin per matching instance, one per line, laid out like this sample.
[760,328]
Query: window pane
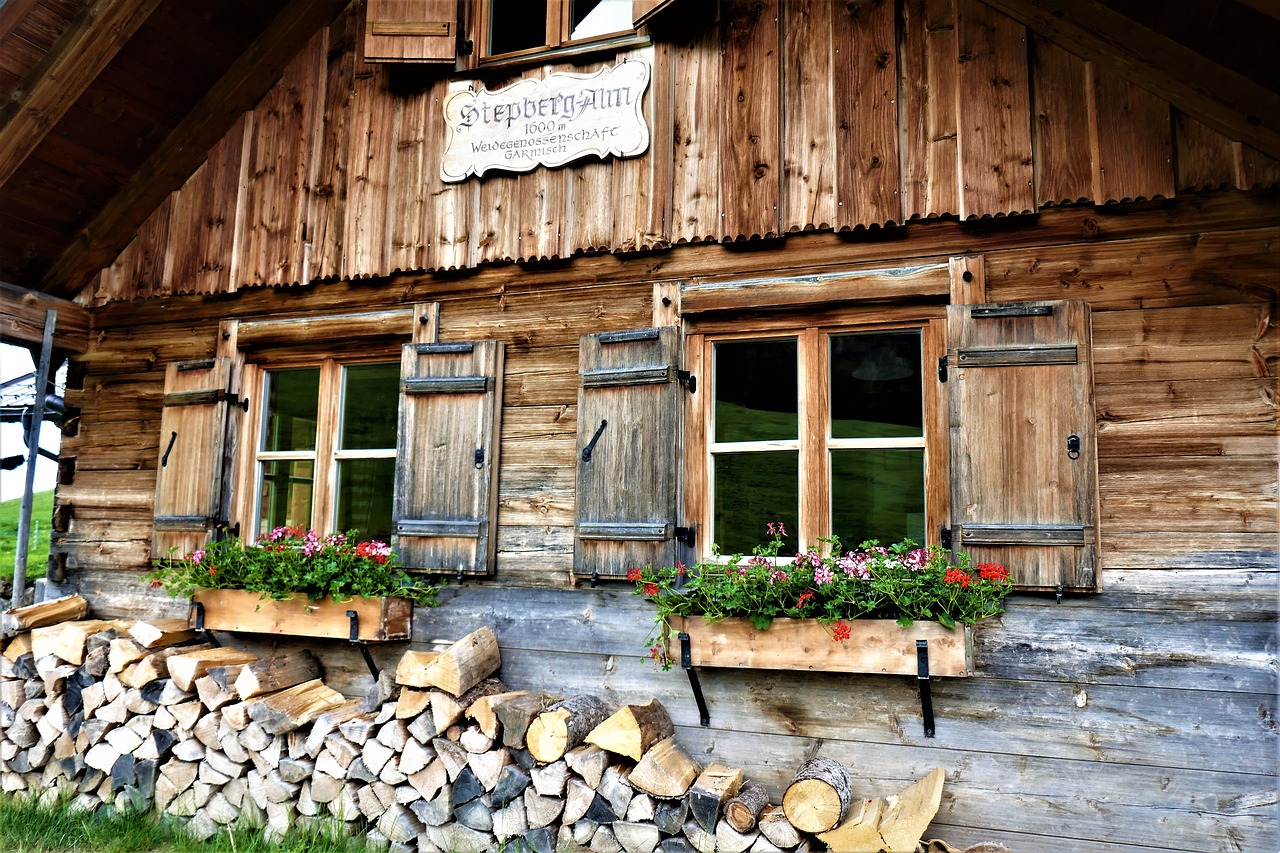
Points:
[285,495]
[590,18]
[292,397]
[516,25]
[751,490]
[877,494]
[365,487]
[755,387]
[876,385]
[370,395]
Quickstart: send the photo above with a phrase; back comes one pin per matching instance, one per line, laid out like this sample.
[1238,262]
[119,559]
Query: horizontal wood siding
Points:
[769,119]
[1142,717]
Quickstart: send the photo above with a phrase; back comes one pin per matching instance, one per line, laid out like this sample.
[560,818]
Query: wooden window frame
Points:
[556,42]
[326,454]
[814,442]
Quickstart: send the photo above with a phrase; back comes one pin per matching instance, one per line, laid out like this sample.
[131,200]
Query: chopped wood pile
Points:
[441,757]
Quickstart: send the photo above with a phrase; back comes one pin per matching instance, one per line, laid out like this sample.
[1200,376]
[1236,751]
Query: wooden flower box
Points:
[873,646]
[378,619]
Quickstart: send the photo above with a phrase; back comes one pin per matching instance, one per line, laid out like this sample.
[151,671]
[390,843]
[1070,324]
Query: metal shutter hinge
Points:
[688,380]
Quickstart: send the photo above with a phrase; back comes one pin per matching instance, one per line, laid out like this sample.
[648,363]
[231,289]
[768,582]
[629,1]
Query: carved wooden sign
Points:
[546,122]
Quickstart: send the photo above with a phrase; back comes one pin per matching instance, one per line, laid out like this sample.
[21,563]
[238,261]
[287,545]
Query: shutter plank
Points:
[628,419]
[1021,383]
[189,477]
[411,31]
[445,498]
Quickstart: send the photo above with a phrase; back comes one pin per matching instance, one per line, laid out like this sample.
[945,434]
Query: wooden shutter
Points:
[628,451]
[644,11]
[193,442]
[1023,453]
[411,31]
[447,455]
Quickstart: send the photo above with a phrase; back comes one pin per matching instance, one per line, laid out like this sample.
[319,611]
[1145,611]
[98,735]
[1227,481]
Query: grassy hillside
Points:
[38,548]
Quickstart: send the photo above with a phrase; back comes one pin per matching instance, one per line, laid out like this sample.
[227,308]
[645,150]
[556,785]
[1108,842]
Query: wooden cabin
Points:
[761,212]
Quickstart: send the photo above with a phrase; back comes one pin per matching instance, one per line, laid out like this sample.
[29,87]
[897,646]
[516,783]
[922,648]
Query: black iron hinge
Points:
[688,380]
[685,535]
[942,368]
[944,536]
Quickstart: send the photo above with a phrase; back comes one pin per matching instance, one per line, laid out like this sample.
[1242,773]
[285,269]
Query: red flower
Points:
[651,589]
[633,575]
[957,576]
[805,598]
[993,572]
[841,632]
[155,584]
[212,571]
[680,570]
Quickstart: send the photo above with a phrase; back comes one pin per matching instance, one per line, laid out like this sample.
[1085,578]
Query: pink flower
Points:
[777,576]
[776,528]
[197,556]
[822,575]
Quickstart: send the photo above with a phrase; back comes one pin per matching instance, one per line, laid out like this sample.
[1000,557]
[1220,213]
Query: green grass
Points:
[29,827]
[38,545]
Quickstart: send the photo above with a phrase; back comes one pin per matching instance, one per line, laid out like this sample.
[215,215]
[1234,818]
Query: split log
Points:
[412,667]
[326,723]
[156,665]
[277,673]
[861,832]
[773,825]
[67,640]
[633,729]
[414,757]
[541,810]
[474,740]
[709,791]
[214,695]
[482,712]
[445,710]
[461,666]
[589,762]
[516,713]
[65,609]
[549,779]
[563,726]
[819,795]
[665,771]
[123,651]
[909,812]
[729,840]
[157,633]
[294,707]
[412,702]
[743,811]
[18,646]
[185,668]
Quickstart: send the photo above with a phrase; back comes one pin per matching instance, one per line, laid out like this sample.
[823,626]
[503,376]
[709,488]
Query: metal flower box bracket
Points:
[879,646]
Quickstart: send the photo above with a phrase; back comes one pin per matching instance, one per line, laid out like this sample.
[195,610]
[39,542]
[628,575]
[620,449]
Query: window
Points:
[824,430]
[326,448]
[518,26]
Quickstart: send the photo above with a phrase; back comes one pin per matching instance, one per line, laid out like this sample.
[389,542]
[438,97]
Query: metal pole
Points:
[33,453]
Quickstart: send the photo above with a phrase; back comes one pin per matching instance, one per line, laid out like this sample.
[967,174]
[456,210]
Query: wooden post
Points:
[33,453]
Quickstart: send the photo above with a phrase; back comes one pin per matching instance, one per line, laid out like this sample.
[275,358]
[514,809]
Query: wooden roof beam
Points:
[11,14]
[58,81]
[1228,102]
[22,319]
[185,148]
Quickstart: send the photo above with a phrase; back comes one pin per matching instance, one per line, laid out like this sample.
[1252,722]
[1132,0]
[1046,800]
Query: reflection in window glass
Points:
[876,385]
[365,487]
[370,395]
[590,18]
[755,387]
[752,490]
[292,402]
[285,494]
[877,494]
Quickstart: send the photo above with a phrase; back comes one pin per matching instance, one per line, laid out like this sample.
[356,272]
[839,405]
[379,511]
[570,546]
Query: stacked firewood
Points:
[440,756]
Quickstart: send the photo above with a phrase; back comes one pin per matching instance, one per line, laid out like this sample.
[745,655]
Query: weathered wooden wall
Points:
[1137,718]
[781,116]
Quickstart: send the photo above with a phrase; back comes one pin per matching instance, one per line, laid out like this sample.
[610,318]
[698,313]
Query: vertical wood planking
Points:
[864,68]
[1255,169]
[327,198]
[590,196]
[808,141]
[642,184]
[994,139]
[366,228]
[408,217]
[271,241]
[541,204]
[1135,145]
[695,169]
[496,231]
[750,168]
[449,204]
[207,252]
[153,247]
[1203,158]
[927,108]
[1060,126]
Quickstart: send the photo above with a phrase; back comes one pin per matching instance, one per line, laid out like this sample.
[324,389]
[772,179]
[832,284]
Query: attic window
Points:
[520,26]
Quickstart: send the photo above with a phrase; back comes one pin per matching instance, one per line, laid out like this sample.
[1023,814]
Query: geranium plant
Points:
[903,581]
[289,561]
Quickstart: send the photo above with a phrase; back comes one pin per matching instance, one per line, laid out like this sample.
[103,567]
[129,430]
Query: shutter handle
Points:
[164,460]
[591,445]
[1073,447]
[479,458]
